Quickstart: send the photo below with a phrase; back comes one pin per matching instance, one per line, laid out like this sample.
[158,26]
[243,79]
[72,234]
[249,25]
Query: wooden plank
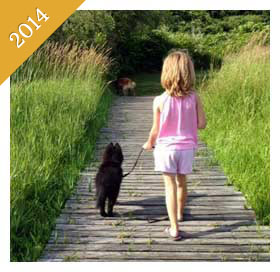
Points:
[155,240]
[128,233]
[190,256]
[91,220]
[197,205]
[192,198]
[159,228]
[135,175]
[197,193]
[146,217]
[160,207]
[159,248]
[160,191]
[140,185]
[147,212]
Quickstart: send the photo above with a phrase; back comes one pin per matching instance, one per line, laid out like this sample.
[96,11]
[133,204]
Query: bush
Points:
[142,53]
[195,45]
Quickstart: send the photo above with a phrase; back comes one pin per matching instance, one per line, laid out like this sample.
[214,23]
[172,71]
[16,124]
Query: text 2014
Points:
[26,30]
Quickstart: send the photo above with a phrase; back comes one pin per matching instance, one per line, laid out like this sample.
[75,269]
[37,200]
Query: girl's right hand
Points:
[147,146]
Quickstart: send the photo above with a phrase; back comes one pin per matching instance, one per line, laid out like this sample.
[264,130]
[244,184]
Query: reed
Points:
[56,61]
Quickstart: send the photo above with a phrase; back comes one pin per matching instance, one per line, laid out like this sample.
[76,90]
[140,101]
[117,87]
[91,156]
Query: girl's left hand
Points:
[147,146]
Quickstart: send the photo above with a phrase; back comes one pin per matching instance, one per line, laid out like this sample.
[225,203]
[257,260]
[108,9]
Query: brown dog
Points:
[125,85]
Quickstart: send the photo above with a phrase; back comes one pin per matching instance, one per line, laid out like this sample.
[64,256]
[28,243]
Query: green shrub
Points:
[196,46]
[143,53]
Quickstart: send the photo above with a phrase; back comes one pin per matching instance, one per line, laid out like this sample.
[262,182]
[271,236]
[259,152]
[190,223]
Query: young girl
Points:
[177,114]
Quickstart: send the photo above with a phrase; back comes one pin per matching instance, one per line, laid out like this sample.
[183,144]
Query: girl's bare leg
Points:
[171,201]
[182,195]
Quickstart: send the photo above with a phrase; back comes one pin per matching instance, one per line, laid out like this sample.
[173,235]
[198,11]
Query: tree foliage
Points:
[140,39]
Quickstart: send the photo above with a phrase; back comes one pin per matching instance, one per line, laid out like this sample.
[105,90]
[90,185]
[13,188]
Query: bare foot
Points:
[173,234]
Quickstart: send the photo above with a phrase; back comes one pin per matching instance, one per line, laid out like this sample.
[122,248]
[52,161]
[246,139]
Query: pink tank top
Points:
[178,122]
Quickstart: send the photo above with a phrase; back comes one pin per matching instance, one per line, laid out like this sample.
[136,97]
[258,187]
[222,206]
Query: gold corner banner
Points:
[25,25]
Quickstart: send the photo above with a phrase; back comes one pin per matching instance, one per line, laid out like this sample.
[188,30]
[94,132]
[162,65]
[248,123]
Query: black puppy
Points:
[108,179]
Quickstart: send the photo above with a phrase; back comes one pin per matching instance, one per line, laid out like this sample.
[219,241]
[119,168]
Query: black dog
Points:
[108,179]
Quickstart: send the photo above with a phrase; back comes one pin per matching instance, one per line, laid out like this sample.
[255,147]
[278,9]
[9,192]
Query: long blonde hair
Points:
[178,75]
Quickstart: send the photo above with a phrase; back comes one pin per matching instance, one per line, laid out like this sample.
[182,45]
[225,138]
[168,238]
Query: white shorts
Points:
[174,161]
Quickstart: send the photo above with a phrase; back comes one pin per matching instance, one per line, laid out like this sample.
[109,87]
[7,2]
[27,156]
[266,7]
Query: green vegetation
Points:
[55,119]
[67,60]
[236,100]
[140,39]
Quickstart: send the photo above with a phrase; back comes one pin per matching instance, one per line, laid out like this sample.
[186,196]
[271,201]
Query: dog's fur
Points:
[125,85]
[108,179]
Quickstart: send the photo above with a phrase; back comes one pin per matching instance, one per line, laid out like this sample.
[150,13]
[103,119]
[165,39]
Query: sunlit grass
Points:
[56,114]
[236,101]
[56,61]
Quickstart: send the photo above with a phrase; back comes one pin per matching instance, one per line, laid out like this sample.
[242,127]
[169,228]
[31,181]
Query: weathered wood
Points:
[150,255]
[216,190]
[191,205]
[197,193]
[218,224]
[164,242]
[190,224]
[156,228]
[159,248]
[160,206]
[139,175]
[129,233]
[134,184]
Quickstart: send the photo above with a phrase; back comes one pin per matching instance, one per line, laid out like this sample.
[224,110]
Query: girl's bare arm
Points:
[201,118]
[155,128]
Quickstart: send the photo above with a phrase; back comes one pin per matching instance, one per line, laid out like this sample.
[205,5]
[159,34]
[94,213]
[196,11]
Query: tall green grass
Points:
[57,61]
[236,101]
[59,101]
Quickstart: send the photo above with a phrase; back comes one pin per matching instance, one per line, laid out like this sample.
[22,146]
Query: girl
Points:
[177,114]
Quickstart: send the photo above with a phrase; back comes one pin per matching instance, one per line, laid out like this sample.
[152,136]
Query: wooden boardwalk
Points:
[218,225]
